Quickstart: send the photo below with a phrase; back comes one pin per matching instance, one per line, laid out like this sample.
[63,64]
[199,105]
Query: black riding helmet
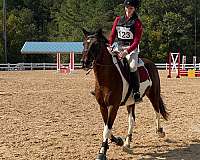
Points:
[134,3]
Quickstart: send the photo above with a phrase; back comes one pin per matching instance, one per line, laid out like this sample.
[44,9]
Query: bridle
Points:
[94,62]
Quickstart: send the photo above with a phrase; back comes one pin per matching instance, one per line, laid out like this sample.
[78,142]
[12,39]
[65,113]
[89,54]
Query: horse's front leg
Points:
[109,115]
[131,124]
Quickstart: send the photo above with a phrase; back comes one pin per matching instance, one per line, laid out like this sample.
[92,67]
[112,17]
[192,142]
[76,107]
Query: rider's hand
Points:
[110,48]
[122,54]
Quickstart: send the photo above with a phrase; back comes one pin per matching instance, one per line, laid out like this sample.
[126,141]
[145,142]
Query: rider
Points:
[128,30]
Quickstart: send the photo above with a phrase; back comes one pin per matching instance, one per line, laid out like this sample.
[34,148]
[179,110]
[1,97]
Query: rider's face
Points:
[129,10]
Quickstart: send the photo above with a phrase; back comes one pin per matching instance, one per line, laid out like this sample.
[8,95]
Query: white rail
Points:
[53,66]
[32,66]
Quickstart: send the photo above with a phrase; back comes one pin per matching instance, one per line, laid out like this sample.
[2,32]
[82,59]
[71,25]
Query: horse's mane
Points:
[100,35]
[104,39]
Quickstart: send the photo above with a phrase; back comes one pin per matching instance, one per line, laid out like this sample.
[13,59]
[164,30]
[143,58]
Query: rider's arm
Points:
[137,36]
[113,31]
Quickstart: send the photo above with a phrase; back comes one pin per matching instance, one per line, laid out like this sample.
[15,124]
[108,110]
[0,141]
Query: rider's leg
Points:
[134,75]
[135,85]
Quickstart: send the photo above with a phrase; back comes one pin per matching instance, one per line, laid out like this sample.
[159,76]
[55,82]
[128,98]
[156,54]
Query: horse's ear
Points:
[85,32]
[99,32]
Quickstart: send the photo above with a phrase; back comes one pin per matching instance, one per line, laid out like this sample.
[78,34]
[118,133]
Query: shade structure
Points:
[51,47]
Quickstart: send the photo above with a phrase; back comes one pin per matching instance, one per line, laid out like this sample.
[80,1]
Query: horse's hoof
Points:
[117,140]
[127,149]
[101,156]
[161,134]
[120,141]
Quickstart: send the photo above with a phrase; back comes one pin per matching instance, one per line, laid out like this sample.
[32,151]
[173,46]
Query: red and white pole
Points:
[58,61]
[170,65]
[71,63]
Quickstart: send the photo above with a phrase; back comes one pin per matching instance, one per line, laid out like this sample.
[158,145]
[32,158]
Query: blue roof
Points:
[51,47]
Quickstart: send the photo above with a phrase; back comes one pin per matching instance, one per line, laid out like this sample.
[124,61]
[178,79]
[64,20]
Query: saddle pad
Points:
[144,75]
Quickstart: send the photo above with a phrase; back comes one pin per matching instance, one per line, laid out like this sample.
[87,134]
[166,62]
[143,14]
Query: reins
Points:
[88,72]
[95,63]
[105,65]
[102,65]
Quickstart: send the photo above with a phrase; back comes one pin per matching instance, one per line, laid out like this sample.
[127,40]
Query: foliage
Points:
[168,25]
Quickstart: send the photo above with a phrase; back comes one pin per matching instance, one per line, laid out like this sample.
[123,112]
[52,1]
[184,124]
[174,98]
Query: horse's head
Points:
[91,47]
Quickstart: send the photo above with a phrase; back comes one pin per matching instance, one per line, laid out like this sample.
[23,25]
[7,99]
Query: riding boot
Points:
[134,76]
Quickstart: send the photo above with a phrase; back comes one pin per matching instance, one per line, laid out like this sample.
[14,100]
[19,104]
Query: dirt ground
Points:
[45,115]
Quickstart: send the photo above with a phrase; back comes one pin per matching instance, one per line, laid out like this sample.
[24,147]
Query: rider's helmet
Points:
[134,3]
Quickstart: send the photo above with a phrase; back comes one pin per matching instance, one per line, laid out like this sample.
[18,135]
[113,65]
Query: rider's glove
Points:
[122,54]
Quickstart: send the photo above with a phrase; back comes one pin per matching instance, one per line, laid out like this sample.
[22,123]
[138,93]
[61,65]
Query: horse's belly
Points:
[143,87]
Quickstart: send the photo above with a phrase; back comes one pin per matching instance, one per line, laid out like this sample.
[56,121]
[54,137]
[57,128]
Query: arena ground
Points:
[45,115]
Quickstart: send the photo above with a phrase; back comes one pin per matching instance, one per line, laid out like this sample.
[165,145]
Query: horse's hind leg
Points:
[158,108]
[131,123]
[159,129]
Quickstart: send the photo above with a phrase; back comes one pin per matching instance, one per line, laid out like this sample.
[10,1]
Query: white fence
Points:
[32,66]
[53,66]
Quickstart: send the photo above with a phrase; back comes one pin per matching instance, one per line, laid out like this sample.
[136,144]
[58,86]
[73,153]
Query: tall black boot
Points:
[135,82]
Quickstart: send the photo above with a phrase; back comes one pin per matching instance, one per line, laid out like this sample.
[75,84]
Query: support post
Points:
[58,62]
[194,62]
[170,61]
[71,63]
[183,62]
[179,63]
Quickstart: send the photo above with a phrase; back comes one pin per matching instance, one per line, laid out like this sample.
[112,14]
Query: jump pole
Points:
[179,63]
[195,62]
[173,59]
[65,69]
[170,70]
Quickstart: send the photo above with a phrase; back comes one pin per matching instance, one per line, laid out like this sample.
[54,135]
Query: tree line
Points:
[169,25]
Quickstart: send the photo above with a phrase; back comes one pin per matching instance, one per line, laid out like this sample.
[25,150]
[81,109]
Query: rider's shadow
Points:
[191,152]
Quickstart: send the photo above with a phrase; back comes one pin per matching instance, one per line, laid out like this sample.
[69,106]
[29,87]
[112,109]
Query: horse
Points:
[111,88]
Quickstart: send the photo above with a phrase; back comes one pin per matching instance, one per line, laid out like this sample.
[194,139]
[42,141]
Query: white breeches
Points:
[132,59]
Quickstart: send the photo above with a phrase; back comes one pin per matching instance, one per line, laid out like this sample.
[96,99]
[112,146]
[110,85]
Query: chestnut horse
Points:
[110,86]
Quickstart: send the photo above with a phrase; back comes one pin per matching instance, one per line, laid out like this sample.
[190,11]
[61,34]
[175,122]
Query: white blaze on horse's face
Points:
[91,40]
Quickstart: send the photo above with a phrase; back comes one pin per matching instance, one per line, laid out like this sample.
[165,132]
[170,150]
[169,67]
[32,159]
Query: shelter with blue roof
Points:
[51,47]
[54,48]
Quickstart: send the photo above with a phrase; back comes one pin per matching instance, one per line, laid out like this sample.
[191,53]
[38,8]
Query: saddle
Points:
[124,67]
[125,70]
[143,72]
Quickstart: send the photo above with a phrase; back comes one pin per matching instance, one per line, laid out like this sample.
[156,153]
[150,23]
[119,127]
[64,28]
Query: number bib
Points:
[124,33]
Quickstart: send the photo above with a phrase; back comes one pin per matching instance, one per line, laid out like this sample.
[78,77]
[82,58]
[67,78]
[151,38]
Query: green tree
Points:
[168,24]
[19,29]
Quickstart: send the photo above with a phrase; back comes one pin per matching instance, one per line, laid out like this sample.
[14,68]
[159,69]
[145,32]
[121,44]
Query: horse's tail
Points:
[162,109]
[155,96]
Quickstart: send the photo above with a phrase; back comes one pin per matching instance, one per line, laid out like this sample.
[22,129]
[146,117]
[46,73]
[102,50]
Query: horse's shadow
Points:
[190,152]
